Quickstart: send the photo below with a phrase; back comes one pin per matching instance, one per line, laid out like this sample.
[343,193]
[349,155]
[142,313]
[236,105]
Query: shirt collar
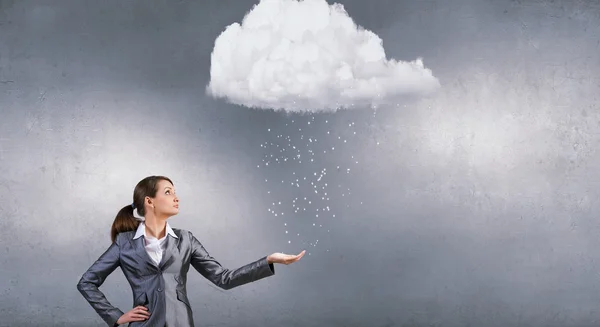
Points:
[141,231]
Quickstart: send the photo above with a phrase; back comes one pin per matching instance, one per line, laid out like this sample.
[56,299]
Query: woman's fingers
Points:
[144,312]
[140,313]
[293,258]
[140,316]
[297,257]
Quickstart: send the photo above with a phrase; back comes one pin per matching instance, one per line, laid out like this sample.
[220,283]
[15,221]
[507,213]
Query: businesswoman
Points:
[155,259]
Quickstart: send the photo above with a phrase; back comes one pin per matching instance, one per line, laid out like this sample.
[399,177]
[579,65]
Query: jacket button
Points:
[159,289]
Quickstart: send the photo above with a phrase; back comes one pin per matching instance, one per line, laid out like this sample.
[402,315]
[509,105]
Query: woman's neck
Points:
[156,227]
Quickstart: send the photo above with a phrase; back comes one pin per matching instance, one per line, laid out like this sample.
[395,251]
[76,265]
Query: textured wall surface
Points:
[474,207]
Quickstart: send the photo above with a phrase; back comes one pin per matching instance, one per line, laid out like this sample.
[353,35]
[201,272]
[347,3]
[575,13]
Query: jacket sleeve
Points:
[94,277]
[225,278]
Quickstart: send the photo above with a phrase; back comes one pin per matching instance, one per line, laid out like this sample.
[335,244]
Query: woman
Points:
[155,259]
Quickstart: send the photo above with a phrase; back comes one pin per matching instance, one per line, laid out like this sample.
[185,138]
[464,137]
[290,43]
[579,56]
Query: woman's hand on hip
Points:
[139,313]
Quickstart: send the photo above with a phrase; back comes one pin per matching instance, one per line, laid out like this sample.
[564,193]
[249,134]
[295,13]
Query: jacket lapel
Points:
[140,251]
[171,250]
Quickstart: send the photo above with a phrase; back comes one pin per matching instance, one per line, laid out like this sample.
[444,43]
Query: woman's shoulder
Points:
[124,236]
[181,232]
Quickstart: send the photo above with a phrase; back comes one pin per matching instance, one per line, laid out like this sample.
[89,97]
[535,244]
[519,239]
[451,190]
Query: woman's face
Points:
[166,201]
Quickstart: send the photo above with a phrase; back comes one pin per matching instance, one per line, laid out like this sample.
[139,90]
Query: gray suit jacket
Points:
[162,288]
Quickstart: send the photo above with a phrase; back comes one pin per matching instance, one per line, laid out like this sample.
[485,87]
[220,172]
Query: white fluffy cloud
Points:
[308,56]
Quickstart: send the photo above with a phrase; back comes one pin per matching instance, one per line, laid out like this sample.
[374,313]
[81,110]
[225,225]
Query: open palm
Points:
[285,259]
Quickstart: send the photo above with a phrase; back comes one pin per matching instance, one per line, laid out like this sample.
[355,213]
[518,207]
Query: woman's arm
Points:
[225,278]
[94,277]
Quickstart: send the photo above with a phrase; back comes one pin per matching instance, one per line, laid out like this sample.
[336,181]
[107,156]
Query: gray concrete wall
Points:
[474,207]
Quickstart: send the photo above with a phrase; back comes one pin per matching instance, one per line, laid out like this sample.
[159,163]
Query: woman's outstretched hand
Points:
[283,258]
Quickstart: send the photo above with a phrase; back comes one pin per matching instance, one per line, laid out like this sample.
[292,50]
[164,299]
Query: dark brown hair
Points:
[125,221]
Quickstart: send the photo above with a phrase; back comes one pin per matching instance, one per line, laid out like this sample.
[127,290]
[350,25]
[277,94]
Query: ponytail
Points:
[125,221]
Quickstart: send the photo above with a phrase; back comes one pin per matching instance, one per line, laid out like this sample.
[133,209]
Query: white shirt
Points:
[155,247]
